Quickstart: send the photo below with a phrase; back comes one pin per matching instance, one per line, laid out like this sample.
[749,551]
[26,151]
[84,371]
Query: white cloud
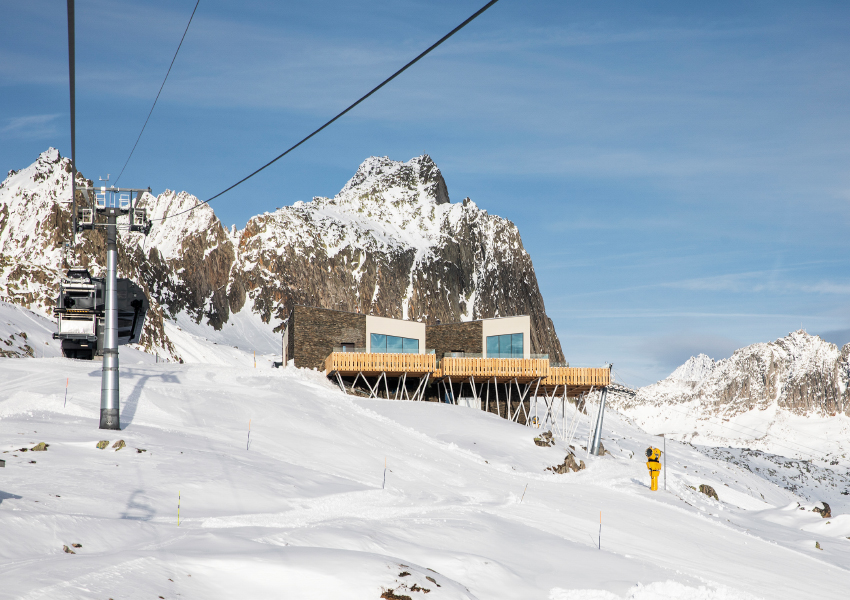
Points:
[30,127]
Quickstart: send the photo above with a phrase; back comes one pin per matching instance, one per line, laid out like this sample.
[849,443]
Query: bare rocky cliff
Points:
[390,243]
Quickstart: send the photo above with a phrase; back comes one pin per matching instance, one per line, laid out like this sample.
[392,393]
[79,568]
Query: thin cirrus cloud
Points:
[30,127]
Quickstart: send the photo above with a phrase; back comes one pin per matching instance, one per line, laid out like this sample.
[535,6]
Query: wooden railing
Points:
[371,362]
[572,376]
[481,369]
[500,368]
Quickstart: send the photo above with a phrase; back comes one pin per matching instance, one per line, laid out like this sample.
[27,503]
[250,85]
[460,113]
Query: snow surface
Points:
[302,513]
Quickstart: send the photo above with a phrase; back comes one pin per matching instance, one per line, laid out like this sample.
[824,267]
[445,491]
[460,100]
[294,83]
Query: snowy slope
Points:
[304,512]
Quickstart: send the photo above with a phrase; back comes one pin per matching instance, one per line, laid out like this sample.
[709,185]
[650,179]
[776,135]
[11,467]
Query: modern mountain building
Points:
[400,358]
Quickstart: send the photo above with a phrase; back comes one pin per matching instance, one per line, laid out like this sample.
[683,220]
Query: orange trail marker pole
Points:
[248,445]
[600,530]
[523,493]
[66,392]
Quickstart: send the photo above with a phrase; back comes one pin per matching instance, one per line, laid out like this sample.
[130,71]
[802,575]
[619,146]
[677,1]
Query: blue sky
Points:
[680,172]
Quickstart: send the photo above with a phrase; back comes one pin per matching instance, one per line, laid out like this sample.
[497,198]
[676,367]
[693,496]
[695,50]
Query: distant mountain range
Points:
[390,243]
[790,396]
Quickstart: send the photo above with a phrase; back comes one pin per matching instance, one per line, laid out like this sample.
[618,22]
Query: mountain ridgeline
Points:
[800,374]
[390,244]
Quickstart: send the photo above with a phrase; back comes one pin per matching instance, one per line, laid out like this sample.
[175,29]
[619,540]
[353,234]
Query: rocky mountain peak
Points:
[417,180]
[695,369]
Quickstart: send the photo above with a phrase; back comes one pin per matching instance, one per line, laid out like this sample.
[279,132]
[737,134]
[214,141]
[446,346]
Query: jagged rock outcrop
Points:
[390,243]
[800,373]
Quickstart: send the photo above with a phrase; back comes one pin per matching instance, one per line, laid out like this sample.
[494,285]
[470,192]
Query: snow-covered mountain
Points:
[799,373]
[390,243]
[790,396]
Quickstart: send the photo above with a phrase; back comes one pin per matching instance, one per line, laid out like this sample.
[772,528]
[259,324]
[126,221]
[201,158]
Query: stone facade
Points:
[314,332]
[454,337]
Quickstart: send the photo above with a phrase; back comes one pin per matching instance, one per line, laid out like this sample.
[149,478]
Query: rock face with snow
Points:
[390,243]
[800,373]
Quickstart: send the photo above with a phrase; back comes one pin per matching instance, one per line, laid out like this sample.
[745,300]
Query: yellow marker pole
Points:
[66,392]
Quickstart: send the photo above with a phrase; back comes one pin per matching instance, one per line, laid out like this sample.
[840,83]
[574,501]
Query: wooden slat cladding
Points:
[571,376]
[351,363]
[503,369]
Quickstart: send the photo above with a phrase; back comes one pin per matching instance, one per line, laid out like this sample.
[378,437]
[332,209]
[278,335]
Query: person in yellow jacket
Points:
[654,466]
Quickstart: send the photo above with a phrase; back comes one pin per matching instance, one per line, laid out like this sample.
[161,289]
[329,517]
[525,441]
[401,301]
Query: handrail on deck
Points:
[373,362]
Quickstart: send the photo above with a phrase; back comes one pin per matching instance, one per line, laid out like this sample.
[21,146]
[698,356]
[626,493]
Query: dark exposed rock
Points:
[40,447]
[568,465]
[102,444]
[708,491]
[825,512]
[545,439]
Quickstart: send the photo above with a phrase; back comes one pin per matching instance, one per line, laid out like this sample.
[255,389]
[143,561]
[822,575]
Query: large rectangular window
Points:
[505,346]
[393,344]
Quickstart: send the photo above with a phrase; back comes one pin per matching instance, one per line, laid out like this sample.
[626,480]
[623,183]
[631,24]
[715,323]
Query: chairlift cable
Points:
[158,93]
[352,106]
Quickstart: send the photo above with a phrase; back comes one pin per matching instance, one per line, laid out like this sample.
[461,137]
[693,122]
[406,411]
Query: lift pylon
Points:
[111,203]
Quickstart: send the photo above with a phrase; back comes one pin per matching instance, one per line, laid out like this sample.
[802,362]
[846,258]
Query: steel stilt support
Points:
[340,383]
[597,434]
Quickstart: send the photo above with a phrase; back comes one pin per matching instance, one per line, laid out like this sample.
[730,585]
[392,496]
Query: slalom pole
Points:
[600,530]
[66,392]
[523,493]
[248,444]
[384,484]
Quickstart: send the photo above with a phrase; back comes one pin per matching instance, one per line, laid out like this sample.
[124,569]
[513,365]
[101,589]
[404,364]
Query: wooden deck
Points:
[480,370]
[577,380]
[394,365]
[483,370]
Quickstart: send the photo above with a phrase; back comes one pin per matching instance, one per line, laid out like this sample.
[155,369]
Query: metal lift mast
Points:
[111,203]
